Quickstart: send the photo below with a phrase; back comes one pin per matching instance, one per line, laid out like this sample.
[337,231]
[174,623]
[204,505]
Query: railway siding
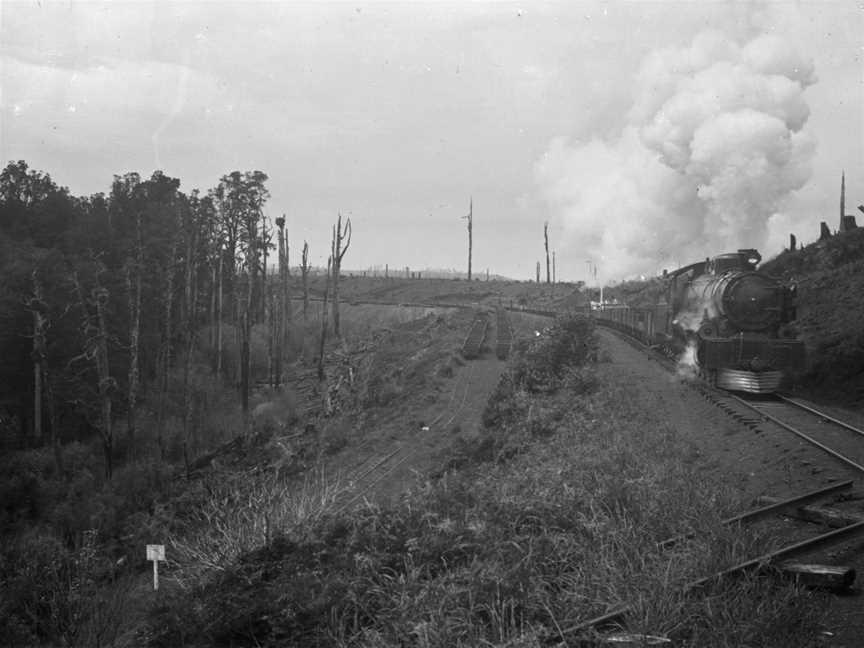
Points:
[473,344]
[504,335]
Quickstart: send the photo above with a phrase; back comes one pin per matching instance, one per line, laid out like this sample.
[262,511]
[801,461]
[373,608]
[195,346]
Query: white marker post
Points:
[155,553]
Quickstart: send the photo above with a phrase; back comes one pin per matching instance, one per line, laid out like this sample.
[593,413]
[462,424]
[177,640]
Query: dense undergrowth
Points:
[830,279]
[549,517]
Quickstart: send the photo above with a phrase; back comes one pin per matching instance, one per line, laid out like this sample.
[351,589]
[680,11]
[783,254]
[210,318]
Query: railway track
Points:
[375,468]
[840,440]
[843,442]
[474,341]
[815,427]
[365,476]
[504,334]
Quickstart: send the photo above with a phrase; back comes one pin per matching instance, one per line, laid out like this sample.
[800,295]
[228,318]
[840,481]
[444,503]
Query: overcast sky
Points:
[398,114]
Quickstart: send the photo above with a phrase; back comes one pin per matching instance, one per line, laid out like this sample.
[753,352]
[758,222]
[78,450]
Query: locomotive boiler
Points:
[734,322]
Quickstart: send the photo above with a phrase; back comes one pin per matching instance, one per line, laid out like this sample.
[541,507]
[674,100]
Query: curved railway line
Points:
[751,410]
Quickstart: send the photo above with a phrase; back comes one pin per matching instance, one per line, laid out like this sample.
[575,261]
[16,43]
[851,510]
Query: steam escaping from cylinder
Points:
[688,367]
[712,148]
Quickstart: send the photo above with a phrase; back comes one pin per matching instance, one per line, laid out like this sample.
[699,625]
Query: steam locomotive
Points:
[729,319]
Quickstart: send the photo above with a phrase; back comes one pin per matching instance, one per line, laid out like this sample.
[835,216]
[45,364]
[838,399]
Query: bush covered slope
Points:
[830,279]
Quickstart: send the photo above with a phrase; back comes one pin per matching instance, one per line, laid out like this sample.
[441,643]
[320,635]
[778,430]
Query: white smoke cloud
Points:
[712,148]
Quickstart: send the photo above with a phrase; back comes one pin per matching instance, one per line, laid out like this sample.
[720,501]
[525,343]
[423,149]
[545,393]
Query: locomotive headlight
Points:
[758,364]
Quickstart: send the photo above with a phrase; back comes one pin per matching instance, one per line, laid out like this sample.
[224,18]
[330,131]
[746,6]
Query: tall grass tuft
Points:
[244,512]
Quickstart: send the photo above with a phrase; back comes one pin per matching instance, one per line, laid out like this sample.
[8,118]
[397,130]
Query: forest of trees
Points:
[128,322]
[103,299]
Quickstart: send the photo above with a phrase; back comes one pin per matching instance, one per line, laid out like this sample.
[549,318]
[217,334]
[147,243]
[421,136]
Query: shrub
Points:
[56,595]
[540,365]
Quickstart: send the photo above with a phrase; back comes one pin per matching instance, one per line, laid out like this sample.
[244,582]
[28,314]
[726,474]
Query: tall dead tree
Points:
[280,323]
[266,238]
[339,246]
[323,388]
[546,244]
[470,218]
[304,272]
[287,313]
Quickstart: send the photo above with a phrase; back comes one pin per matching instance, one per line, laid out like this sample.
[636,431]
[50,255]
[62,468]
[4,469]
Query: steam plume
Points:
[712,148]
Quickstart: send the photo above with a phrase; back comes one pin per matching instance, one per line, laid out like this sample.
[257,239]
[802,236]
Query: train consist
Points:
[724,317]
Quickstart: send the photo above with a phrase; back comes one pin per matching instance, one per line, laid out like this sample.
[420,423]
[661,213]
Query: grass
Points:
[503,548]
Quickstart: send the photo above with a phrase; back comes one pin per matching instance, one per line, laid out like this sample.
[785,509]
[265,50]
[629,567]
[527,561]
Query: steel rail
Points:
[843,458]
[840,457]
[360,495]
[375,464]
[751,516]
[821,415]
[765,560]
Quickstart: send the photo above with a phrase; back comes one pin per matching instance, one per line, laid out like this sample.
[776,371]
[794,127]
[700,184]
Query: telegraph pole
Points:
[470,218]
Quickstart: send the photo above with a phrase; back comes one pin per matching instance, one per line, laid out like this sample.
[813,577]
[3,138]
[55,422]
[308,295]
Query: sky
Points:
[647,134]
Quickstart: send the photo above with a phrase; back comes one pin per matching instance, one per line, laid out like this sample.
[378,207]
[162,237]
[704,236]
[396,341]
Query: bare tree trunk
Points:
[133,290]
[38,357]
[238,336]
[211,333]
[43,394]
[219,313]
[52,419]
[538,272]
[470,218]
[287,312]
[191,305]
[281,297]
[38,307]
[339,235]
[271,315]
[322,376]
[245,360]
[261,308]
[100,296]
[304,271]
[165,365]
[546,243]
